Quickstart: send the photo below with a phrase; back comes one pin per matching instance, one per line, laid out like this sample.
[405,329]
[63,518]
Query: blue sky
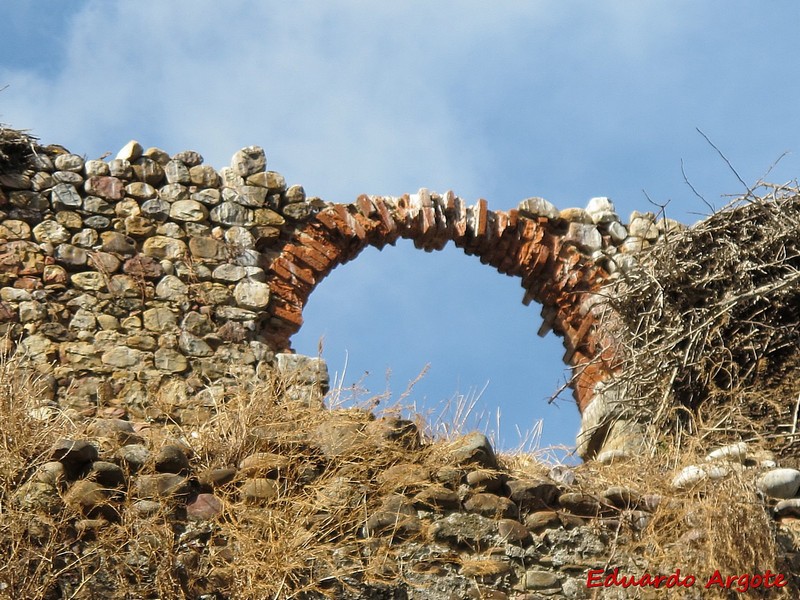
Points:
[501,100]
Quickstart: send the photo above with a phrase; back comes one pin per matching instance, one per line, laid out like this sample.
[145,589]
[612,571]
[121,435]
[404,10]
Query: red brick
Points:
[365,205]
[330,220]
[386,218]
[482,218]
[315,260]
[283,266]
[364,226]
[289,314]
[287,292]
[330,250]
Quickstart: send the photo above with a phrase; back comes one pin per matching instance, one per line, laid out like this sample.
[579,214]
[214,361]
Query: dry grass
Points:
[720,524]
[304,542]
[307,540]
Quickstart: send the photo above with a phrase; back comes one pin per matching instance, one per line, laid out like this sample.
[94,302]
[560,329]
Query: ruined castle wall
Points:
[151,272]
[117,275]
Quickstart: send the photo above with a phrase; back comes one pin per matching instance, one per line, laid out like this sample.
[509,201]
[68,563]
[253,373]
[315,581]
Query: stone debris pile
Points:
[780,486]
[439,519]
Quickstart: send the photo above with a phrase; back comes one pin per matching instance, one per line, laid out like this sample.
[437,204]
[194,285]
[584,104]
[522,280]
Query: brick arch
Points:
[552,269]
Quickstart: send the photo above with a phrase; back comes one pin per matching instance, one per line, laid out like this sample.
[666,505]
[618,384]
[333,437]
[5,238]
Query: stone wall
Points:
[118,275]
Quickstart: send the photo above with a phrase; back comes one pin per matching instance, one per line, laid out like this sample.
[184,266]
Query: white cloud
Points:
[346,97]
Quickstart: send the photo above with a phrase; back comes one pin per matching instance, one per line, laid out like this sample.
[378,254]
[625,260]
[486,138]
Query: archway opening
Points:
[401,310]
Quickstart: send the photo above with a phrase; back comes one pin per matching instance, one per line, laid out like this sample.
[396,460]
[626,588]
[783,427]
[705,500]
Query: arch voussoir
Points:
[553,270]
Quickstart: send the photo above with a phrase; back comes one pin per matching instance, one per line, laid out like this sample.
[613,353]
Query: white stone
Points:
[170,360]
[96,168]
[644,228]
[37,348]
[159,319]
[779,483]
[130,151]
[248,161]
[228,272]
[230,179]
[538,207]
[234,313]
[736,452]
[256,273]
[251,294]
[608,457]
[83,319]
[120,168]
[161,247]
[10,294]
[586,237]
[251,196]
[140,190]
[177,172]
[65,194]
[718,471]
[240,236]
[32,311]
[69,162]
[633,243]
[689,477]
[601,210]
[617,232]
[600,204]
[248,258]
[171,230]
[124,357]
[15,230]
[623,262]
[231,213]
[209,196]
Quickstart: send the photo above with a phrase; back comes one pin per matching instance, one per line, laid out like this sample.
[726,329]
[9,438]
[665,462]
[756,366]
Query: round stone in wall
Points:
[140,190]
[164,247]
[106,187]
[51,231]
[130,151]
[89,281]
[69,162]
[71,255]
[228,272]
[96,167]
[177,172]
[231,213]
[252,196]
[170,360]
[188,210]
[15,230]
[249,160]
[538,207]
[251,294]
[64,194]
